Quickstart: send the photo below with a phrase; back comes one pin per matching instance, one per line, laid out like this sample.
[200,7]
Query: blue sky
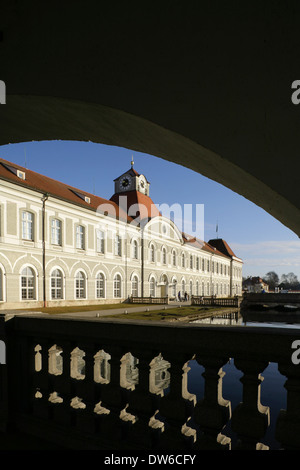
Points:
[261,241]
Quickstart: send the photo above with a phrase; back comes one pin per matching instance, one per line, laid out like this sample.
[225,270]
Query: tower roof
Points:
[140,204]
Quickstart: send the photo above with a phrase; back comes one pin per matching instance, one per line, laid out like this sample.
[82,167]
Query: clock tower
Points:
[132,195]
[131,180]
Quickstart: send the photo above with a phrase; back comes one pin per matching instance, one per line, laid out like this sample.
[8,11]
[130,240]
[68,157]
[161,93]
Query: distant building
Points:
[63,246]
[255,285]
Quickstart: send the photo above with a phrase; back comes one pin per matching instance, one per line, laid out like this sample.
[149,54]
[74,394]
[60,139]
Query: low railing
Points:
[148,300]
[216,301]
[98,384]
[252,299]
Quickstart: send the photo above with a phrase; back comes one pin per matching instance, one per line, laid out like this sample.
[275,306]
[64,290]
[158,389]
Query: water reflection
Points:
[233,391]
[236,319]
[232,387]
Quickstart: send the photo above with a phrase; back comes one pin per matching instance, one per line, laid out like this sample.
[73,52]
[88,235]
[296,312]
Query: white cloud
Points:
[278,248]
[260,257]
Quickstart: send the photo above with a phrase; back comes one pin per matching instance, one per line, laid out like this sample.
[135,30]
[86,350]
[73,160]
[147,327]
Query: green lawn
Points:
[78,308]
[175,313]
[169,314]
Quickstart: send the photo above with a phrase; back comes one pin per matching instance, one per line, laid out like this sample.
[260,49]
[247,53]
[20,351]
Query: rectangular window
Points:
[100,241]
[27,225]
[55,232]
[80,237]
[118,245]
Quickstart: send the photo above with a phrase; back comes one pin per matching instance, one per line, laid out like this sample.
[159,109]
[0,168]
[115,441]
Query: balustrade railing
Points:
[216,301]
[99,384]
[149,300]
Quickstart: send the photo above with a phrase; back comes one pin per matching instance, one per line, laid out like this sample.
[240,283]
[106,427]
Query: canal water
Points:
[273,393]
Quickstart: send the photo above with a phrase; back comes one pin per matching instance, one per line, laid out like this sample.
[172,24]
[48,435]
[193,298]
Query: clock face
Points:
[142,185]
[125,182]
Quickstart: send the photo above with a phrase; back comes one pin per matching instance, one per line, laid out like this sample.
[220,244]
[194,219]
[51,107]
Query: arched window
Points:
[197,288]
[117,286]
[134,249]
[135,286]
[174,257]
[191,262]
[100,286]
[174,284]
[183,287]
[182,260]
[28,284]
[191,287]
[80,285]
[152,287]
[56,284]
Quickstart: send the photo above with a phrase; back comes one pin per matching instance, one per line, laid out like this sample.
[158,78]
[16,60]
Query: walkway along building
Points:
[63,246]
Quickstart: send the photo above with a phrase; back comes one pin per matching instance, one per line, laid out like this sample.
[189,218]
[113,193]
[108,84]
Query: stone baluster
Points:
[288,423]
[84,393]
[142,404]
[112,400]
[250,418]
[174,408]
[59,392]
[40,381]
[213,411]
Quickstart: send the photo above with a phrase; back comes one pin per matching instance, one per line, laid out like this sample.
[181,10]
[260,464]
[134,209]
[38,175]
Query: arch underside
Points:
[206,85]
[39,118]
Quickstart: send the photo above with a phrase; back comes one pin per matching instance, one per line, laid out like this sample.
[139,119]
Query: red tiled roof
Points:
[44,184]
[201,245]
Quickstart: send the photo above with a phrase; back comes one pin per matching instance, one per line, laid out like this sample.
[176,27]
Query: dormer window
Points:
[21,174]
[82,196]
[14,170]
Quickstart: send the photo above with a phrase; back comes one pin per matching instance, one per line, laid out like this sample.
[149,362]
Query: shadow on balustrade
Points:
[109,399]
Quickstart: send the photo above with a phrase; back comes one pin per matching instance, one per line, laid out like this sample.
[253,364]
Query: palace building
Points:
[62,246]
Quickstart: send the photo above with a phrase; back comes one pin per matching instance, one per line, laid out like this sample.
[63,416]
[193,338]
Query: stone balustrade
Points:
[99,384]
